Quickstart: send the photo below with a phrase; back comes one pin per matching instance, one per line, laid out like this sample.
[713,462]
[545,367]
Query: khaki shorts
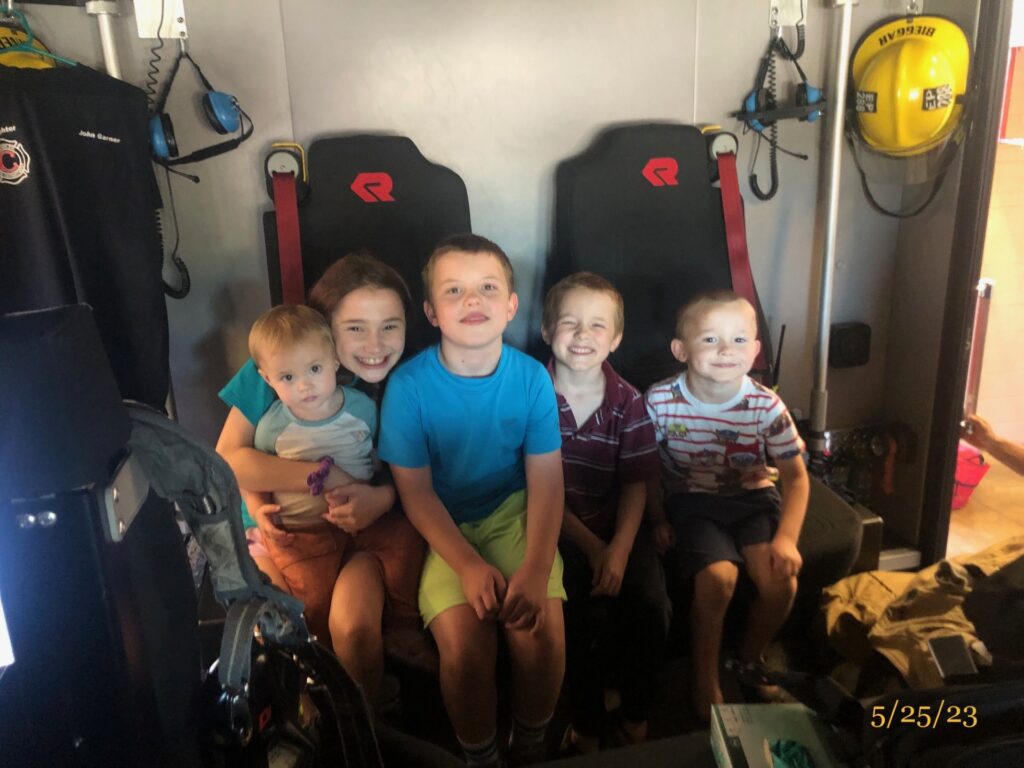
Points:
[500,539]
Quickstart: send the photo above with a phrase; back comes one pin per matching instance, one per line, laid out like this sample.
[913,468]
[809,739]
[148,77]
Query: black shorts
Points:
[710,528]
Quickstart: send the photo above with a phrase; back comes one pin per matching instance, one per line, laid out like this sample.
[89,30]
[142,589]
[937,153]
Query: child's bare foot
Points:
[411,647]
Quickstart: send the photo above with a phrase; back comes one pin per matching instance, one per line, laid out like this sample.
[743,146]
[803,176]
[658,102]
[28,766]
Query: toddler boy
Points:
[717,428]
[313,419]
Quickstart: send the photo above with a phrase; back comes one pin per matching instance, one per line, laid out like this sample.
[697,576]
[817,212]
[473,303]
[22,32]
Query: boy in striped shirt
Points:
[716,504]
[613,575]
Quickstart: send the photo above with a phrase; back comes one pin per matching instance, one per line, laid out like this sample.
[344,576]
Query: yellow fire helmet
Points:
[909,76]
[12,35]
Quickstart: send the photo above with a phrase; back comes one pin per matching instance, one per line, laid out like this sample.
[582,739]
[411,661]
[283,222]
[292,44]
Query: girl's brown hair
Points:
[360,269]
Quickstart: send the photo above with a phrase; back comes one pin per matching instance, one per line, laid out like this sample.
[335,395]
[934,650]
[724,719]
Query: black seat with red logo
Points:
[380,193]
[639,207]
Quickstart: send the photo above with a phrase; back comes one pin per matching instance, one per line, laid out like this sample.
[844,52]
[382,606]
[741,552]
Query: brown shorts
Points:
[311,561]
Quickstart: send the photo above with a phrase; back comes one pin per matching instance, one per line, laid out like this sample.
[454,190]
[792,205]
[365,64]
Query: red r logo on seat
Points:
[374,187]
[662,172]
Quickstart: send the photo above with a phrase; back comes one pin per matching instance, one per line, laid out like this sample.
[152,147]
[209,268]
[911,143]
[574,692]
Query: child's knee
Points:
[353,630]
[468,664]
[773,586]
[717,582]
[550,640]
[783,587]
[546,643]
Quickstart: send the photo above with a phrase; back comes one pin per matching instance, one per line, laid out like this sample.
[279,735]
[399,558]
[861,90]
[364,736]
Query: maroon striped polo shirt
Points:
[616,446]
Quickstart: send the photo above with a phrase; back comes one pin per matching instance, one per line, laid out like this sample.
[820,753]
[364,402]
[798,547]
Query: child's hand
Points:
[356,506]
[268,520]
[785,558]
[664,537]
[609,564]
[524,600]
[484,587]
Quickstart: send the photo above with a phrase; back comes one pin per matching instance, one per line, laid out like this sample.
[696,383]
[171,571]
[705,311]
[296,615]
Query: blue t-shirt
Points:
[473,433]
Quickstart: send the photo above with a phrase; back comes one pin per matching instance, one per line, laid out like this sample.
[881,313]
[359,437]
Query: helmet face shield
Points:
[907,170]
[909,78]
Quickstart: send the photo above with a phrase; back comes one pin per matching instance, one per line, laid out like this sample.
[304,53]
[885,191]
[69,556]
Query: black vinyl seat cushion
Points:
[420,204]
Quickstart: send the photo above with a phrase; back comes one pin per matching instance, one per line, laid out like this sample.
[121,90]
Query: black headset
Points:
[762,111]
[222,113]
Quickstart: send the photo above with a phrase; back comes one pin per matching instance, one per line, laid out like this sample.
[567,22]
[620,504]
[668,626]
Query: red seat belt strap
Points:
[736,239]
[289,243]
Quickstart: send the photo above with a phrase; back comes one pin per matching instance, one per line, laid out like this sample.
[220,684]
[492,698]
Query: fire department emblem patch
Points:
[14,162]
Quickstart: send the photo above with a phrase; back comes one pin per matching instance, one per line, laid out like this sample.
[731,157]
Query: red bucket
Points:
[970,468]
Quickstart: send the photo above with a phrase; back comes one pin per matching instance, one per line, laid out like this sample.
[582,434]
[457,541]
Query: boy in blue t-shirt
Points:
[470,429]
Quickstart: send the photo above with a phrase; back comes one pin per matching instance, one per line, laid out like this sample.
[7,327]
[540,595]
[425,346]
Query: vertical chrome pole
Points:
[105,11]
[834,152]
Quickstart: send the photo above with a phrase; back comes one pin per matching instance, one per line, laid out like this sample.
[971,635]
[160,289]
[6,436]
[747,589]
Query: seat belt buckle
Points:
[287,157]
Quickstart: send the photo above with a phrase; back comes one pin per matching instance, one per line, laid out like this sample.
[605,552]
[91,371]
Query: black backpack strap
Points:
[236,643]
[235,664]
[202,486]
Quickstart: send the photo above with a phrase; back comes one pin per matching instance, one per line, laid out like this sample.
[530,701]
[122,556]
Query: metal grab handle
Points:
[981,308]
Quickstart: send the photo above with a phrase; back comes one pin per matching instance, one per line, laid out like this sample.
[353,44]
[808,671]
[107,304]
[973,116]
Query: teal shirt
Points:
[249,393]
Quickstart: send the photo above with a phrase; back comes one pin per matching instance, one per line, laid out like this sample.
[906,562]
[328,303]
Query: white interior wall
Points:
[500,92]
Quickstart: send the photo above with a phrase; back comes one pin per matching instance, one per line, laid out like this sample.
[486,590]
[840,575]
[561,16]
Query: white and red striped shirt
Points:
[720,447]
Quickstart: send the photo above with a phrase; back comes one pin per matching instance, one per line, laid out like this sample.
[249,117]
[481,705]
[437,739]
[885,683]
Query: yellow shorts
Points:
[500,539]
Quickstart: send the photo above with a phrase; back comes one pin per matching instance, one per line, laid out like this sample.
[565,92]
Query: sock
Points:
[527,741]
[482,755]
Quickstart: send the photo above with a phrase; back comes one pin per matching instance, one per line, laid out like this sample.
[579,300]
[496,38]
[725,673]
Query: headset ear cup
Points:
[161,136]
[801,95]
[221,112]
[807,95]
[752,104]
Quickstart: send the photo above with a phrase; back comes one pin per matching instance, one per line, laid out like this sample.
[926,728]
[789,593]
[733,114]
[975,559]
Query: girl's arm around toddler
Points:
[264,472]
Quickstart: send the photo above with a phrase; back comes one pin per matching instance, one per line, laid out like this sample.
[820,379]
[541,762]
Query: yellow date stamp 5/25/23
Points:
[923,715]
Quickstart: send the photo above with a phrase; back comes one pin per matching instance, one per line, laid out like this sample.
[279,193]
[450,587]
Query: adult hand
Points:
[356,506]
[785,558]
[524,600]
[268,520]
[664,537]
[484,587]
[609,565]
[979,433]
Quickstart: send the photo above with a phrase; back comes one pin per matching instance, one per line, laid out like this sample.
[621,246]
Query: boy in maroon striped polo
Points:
[617,611]
[717,503]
